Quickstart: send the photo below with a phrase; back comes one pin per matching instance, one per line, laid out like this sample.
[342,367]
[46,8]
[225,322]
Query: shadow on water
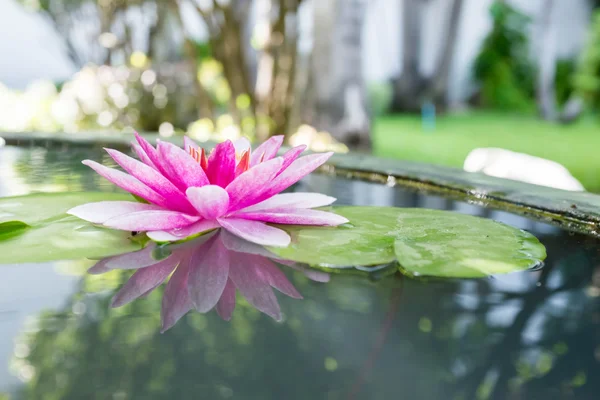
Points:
[526,335]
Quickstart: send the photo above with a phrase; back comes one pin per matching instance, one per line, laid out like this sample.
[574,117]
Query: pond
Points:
[364,334]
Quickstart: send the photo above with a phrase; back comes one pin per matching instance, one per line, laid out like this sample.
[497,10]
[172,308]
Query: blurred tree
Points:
[503,66]
[411,88]
[546,91]
[587,78]
[565,70]
[268,96]
[337,88]
[101,31]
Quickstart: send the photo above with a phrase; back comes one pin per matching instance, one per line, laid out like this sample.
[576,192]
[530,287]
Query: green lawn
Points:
[576,146]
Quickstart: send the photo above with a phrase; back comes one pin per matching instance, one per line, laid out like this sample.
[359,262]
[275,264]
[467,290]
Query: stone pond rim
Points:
[574,211]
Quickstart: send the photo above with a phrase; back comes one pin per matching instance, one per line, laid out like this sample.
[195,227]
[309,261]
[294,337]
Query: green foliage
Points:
[587,78]
[380,97]
[563,81]
[503,67]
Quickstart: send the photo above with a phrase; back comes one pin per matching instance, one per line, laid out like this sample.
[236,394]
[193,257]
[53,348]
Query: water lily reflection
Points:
[205,274]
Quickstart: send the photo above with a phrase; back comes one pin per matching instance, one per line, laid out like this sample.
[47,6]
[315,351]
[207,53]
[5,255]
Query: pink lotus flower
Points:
[208,271]
[234,188]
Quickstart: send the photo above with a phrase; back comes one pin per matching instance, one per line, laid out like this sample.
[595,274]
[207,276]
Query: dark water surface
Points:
[527,335]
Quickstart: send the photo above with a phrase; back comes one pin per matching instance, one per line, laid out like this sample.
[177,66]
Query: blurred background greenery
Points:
[520,75]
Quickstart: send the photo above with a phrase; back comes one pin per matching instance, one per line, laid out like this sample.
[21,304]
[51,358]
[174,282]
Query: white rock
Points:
[522,167]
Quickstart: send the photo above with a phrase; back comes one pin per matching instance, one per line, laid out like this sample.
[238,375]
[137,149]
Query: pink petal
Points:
[178,234]
[143,221]
[266,151]
[133,260]
[189,144]
[211,201]
[128,183]
[312,274]
[176,301]
[295,216]
[292,200]
[251,284]
[226,303]
[153,179]
[256,232]
[100,267]
[143,281]
[291,155]
[241,145]
[101,211]
[209,267]
[239,245]
[221,164]
[150,152]
[249,185]
[181,166]
[296,171]
[275,277]
[142,155]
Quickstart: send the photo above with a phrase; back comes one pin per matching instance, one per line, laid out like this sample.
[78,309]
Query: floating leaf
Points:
[445,244]
[425,242]
[367,240]
[40,231]
[12,228]
[38,207]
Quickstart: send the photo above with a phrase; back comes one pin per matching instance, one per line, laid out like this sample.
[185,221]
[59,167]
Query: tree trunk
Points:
[546,95]
[439,86]
[336,72]
[408,87]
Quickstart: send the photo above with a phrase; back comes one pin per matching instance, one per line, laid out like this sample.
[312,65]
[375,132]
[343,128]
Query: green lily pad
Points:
[367,240]
[445,244]
[40,231]
[425,242]
[38,207]
[66,239]
[12,228]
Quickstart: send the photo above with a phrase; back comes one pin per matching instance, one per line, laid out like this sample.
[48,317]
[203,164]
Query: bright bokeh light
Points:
[138,59]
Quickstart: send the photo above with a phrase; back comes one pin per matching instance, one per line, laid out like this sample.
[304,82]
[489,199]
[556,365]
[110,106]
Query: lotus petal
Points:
[178,234]
[291,155]
[128,183]
[275,277]
[256,232]
[102,211]
[249,185]
[142,155]
[211,201]
[292,200]
[153,179]
[221,164]
[267,150]
[133,260]
[248,280]
[293,216]
[296,171]
[150,152]
[241,145]
[182,166]
[209,268]
[143,281]
[151,221]
[226,303]
[176,300]
[312,274]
